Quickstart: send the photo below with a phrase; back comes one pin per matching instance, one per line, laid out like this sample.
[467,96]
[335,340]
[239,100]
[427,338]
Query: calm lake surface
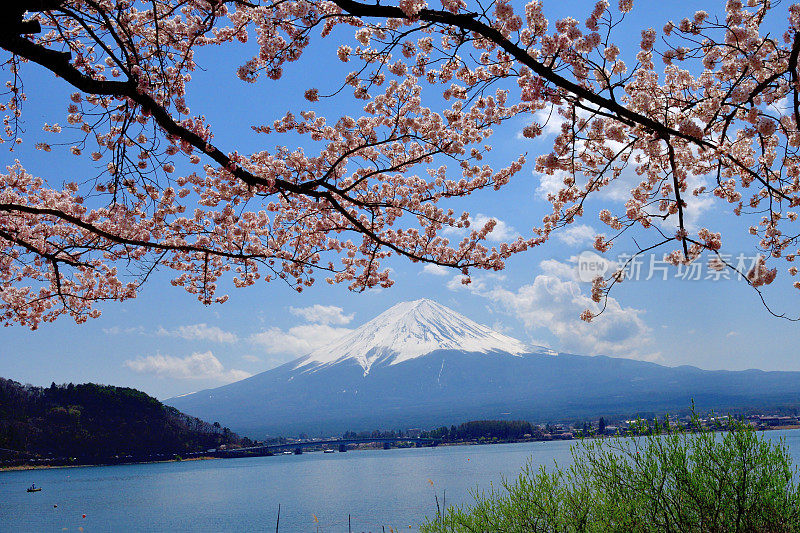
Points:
[316,491]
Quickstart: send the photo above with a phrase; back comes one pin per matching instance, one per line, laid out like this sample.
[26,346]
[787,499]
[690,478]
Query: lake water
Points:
[380,489]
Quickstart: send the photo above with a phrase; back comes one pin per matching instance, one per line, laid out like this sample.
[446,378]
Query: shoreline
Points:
[50,467]
[208,458]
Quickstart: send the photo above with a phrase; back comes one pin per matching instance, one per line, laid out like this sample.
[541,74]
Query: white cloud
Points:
[586,266]
[549,120]
[577,267]
[478,283]
[501,231]
[577,235]
[251,358]
[456,283]
[436,270]
[200,332]
[558,269]
[618,191]
[782,106]
[732,334]
[554,302]
[323,314]
[696,206]
[550,183]
[298,340]
[199,365]
[503,327]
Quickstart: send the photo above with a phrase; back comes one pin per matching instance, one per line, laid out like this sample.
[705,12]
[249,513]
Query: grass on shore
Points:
[699,481]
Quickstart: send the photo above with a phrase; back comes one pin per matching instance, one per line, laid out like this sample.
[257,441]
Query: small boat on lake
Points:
[34,488]
[328,450]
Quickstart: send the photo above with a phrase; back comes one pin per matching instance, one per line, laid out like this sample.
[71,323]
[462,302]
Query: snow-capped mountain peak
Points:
[409,330]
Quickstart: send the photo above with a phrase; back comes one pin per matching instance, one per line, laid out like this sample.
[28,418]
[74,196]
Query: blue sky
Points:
[166,343]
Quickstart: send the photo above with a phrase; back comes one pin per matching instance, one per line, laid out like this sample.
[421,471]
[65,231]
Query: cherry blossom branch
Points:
[291,212]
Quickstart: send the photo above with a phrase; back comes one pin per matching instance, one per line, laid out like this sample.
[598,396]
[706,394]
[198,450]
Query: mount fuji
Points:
[421,364]
[407,331]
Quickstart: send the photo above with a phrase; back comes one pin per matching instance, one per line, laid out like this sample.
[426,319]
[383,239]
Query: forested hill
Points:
[92,423]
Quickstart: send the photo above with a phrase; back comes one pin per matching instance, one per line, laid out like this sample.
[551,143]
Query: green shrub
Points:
[682,481]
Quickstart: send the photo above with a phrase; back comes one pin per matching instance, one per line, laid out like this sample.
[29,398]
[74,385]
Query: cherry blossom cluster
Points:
[709,96]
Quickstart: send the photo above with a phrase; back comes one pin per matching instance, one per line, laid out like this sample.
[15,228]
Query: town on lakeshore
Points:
[418,361]
[91,430]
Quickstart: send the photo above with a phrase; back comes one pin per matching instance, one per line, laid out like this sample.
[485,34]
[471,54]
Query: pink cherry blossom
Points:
[334,193]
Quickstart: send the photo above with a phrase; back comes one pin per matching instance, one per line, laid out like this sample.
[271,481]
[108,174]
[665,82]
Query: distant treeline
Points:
[91,423]
[377,434]
[473,430]
[483,429]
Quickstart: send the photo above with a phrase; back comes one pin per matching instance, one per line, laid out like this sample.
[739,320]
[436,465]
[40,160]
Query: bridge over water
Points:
[339,444]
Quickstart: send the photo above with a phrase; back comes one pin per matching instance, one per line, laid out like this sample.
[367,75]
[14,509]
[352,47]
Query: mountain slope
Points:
[409,330]
[421,364]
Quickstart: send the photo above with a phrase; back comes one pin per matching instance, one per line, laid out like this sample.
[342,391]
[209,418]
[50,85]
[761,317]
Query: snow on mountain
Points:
[409,330]
[420,364]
